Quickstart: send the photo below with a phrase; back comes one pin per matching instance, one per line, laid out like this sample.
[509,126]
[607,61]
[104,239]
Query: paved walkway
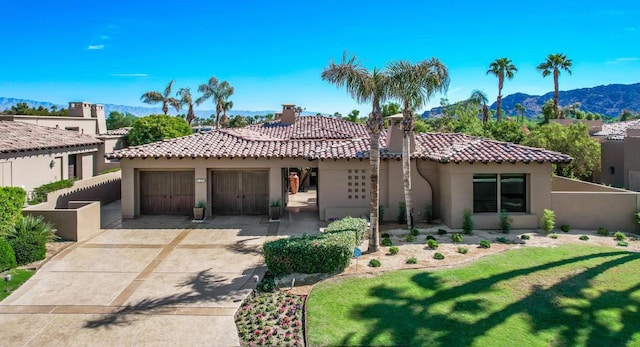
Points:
[149,281]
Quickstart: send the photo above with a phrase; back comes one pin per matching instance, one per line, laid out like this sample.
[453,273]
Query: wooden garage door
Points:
[167,192]
[240,192]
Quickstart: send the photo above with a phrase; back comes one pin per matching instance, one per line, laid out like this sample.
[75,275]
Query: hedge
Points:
[39,194]
[29,239]
[11,204]
[330,251]
[7,256]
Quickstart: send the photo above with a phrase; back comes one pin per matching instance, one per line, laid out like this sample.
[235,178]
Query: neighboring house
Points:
[31,155]
[84,118]
[238,171]
[620,158]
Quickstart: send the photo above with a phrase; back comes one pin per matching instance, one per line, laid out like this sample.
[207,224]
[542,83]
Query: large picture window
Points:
[509,194]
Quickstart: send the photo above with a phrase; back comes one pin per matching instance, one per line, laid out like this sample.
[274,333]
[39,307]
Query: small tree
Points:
[467,221]
[157,127]
[505,222]
[548,221]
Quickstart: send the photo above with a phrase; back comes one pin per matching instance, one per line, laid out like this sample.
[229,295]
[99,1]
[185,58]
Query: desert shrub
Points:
[394,250]
[7,256]
[623,243]
[505,221]
[485,244]
[374,263]
[603,231]
[428,213]
[438,256]
[565,228]
[433,244]
[502,240]
[584,237]
[412,260]
[385,235]
[525,237]
[553,235]
[330,251]
[442,232]
[457,238]
[267,284]
[467,221]
[619,236]
[402,213]
[40,193]
[29,239]
[548,220]
[415,232]
[386,242]
[11,203]
[431,237]
[380,213]
[410,238]
[463,250]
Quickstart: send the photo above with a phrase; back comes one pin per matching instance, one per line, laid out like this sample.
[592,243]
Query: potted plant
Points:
[274,209]
[198,211]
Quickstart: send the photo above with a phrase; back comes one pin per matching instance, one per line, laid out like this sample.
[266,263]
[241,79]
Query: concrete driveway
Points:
[150,281]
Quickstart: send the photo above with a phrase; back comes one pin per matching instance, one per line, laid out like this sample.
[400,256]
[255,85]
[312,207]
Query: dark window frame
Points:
[506,190]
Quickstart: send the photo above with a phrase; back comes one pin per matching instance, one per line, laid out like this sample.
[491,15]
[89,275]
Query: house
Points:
[238,171]
[620,160]
[31,155]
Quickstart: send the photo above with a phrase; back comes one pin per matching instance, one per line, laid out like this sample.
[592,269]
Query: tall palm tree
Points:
[227,105]
[365,86]
[154,97]
[501,68]
[186,99]
[413,85]
[219,92]
[479,97]
[521,111]
[553,64]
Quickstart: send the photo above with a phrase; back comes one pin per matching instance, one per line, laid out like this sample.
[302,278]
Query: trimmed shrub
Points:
[502,240]
[553,235]
[505,222]
[431,237]
[565,228]
[525,237]
[548,220]
[39,194]
[433,244]
[584,237]
[442,232]
[11,203]
[603,231]
[623,243]
[619,236]
[328,252]
[374,263]
[386,242]
[385,235]
[410,238]
[438,256]
[380,213]
[462,250]
[402,213]
[485,244]
[467,221]
[394,250]
[415,232]
[29,239]
[412,260]
[457,238]
[7,256]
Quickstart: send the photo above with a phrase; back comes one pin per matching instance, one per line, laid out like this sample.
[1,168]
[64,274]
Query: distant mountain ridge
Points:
[609,100]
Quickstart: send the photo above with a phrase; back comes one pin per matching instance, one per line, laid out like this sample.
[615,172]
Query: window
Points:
[510,194]
[357,180]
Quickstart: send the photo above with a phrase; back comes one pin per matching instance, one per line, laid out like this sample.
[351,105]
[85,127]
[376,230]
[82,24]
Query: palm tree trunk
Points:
[165,108]
[406,163]
[499,101]
[555,94]
[374,159]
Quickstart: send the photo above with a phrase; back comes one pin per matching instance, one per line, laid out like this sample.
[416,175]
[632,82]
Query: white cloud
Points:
[104,37]
[630,29]
[95,47]
[626,59]
[129,75]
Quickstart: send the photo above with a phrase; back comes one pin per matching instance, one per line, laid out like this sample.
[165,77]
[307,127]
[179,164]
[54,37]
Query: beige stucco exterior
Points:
[79,222]
[612,163]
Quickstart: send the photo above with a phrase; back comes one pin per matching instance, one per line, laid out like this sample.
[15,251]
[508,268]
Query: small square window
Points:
[349,190]
[348,196]
[349,184]
[356,190]
[349,177]
[356,184]
[355,196]
[349,171]
[363,190]
[363,177]
[363,171]
[364,196]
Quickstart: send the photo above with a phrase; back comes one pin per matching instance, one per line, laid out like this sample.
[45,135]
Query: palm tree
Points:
[521,110]
[353,116]
[365,86]
[501,68]
[227,105]
[187,99]
[479,97]
[218,92]
[222,94]
[154,97]
[413,85]
[553,64]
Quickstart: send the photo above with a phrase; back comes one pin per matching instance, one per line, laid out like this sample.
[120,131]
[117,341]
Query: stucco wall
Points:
[78,222]
[612,156]
[88,126]
[590,210]
[631,159]
[111,143]
[563,184]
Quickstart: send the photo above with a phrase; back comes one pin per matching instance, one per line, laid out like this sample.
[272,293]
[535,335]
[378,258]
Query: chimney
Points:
[97,112]
[79,109]
[394,135]
[288,114]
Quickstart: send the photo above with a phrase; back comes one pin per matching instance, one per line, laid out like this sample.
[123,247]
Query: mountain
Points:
[609,100]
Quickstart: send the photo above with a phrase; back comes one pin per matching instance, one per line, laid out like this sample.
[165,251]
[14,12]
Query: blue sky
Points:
[273,52]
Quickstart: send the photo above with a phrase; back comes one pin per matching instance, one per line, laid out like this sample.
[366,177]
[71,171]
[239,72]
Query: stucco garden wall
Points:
[79,221]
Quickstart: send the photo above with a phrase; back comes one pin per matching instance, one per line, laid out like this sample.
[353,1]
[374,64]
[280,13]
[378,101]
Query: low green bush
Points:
[623,243]
[565,228]
[525,237]
[410,238]
[433,244]
[619,236]
[485,244]
[463,250]
[415,232]
[39,194]
[385,235]
[431,237]
[584,237]
[29,239]
[553,235]
[603,231]
[457,238]
[393,250]
[328,252]
[11,203]
[467,221]
[442,232]
[438,256]
[386,242]
[412,260]
[502,240]
[7,256]
[374,263]
[402,213]
[505,221]
[548,220]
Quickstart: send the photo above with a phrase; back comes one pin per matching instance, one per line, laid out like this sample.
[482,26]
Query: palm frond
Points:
[167,90]
[151,97]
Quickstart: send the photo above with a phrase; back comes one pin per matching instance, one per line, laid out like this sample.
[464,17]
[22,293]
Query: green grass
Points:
[18,278]
[571,295]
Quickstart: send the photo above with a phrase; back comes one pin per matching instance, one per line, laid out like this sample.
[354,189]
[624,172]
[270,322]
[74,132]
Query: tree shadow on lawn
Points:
[204,287]
[576,312]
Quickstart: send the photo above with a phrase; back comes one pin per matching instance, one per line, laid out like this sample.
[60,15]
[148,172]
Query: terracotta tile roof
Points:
[328,138]
[19,137]
[618,130]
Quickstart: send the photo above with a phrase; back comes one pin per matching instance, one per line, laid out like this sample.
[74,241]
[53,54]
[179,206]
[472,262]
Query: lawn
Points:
[571,295]
[18,278]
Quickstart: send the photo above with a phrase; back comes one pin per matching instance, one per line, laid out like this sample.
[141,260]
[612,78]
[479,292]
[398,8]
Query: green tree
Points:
[573,140]
[390,109]
[219,92]
[480,98]
[227,105]
[117,120]
[547,110]
[501,68]
[552,65]
[157,127]
[365,86]
[413,85]
[186,99]
[154,97]
[508,131]
[521,111]
[353,116]
[238,121]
